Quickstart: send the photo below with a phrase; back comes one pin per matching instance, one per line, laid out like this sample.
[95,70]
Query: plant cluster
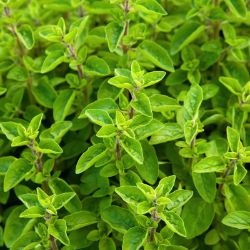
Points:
[124,124]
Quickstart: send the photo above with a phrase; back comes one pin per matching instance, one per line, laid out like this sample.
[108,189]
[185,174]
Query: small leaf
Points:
[49,146]
[62,104]
[114,32]
[151,6]
[142,104]
[16,173]
[35,123]
[239,173]
[174,223]
[33,212]
[165,185]
[96,66]
[62,199]
[210,164]
[237,219]
[133,148]
[152,78]
[119,218]
[233,139]
[157,55]
[107,244]
[193,102]
[52,60]
[90,157]
[98,116]
[59,231]
[11,129]
[163,103]
[170,132]
[18,74]
[178,198]
[185,35]
[80,219]
[107,131]
[26,36]
[231,84]
[134,238]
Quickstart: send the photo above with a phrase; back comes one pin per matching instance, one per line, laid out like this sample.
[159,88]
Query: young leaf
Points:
[107,131]
[62,199]
[33,212]
[134,238]
[239,173]
[35,123]
[107,244]
[5,163]
[133,148]
[151,6]
[165,185]
[157,55]
[59,230]
[49,146]
[179,198]
[163,103]
[114,32]
[209,164]
[152,78]
[90,157]
[231,84]
[16,173]
[52,60]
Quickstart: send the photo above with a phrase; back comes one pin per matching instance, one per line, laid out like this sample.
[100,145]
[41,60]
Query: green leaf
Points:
[59,186]
[142,105]
[35,123]
[107,131]
[44,93]
[80,219]
[119,218]
[106,104]
[96,66]
[121,82]
[107,244]
[190,131]
[205,184]
[90,157]
[239,173]
[16,173]
[18,74]
[174,222]
[193,102]
[130,194]
[179,198]
[5,64]
[114,32]
[49,146]
[210,164]
[237,7]
[62,199]
[134,238]
[149,170]
[186,34]
[170,132]
[33,212]
[152,78]
[197,216]
[237,219]
[151,6]
[62,104]
[14,224]
[59,231]
[133,148]
[163,103]
[26,240]
[157,55]
[51,33]
[26,36]
[165,185]
[231,84]
[52,60]
[5,163]
[98,116]
[233,139]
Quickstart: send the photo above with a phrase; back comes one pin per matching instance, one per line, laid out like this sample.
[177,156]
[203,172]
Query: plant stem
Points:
[117,150]
[126,9]
[53,245]
[228,171]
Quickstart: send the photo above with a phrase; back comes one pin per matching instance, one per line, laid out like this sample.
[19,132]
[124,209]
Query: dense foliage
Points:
[124,124]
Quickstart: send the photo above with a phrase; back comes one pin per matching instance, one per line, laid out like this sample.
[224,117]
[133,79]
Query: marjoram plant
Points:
[124,124]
